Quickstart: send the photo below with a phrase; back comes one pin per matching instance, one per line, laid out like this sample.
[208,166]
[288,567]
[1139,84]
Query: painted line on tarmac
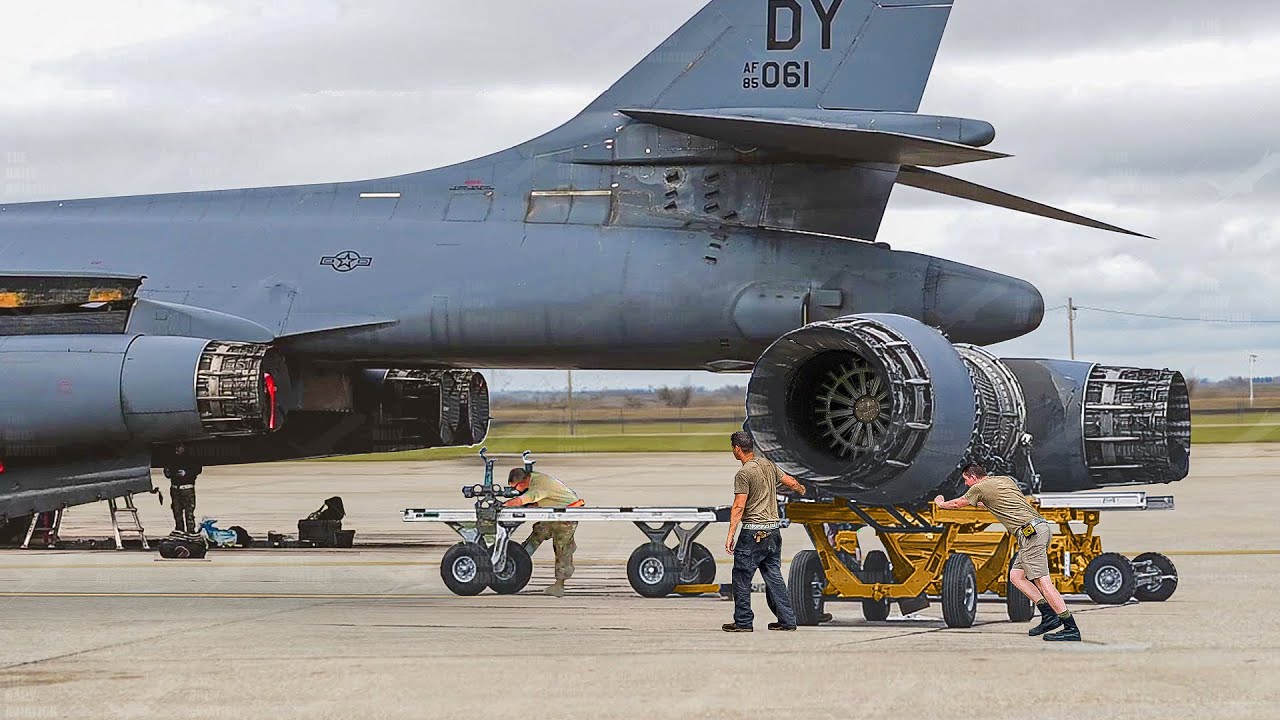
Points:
[1216,552]
[229,596]
[419,563]
[151,563]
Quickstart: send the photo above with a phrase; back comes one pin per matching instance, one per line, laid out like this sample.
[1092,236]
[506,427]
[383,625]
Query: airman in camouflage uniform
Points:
[542,490]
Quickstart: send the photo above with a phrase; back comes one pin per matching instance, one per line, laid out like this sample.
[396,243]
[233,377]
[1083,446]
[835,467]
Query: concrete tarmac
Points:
[372,632]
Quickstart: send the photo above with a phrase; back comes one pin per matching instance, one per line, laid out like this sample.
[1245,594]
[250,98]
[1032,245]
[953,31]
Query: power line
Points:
[1178,318]
[1220,321]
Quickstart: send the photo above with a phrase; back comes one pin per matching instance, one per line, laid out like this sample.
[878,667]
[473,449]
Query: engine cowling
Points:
[66,392]
[357,412]
[1098,426]
[882,409]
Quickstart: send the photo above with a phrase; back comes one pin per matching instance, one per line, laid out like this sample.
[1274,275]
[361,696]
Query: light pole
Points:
[1071,325]
[1253,358]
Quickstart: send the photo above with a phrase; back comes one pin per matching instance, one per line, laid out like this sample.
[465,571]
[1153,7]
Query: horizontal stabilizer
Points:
[955,187]
[828,141]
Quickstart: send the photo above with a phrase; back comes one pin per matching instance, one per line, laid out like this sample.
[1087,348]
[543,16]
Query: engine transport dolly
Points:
[954,556]
[487,557]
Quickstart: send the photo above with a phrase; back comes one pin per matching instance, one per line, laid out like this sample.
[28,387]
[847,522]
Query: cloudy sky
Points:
[1158,115]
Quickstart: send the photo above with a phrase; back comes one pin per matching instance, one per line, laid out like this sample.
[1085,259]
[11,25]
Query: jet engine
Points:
[115,391]
[340,411]
[882,409]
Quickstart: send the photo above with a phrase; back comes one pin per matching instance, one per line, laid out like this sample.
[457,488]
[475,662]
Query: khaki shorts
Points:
[1033,552]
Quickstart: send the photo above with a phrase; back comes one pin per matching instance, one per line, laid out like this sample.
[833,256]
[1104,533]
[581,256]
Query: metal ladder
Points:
[132,523]
[50,534]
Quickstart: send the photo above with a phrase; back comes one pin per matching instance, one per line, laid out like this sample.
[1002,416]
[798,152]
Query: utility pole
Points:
[572,426]
[1071,325]
[1253,358]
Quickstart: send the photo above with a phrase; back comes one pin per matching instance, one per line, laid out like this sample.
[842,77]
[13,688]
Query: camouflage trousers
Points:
[561,536]
[183,503]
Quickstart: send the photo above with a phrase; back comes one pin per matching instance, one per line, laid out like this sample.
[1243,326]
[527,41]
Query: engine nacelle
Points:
[85,391]
[356,412]
[1097,426]
[882,409]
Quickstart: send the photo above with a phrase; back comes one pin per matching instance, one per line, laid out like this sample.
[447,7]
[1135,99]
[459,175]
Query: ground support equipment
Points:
[955,555]
[487,557]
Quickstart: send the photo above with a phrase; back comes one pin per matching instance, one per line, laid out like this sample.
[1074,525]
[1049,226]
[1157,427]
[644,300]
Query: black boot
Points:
[1048,620]
[1070,632]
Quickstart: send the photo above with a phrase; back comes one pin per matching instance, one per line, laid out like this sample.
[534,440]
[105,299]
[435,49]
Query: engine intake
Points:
[878,408]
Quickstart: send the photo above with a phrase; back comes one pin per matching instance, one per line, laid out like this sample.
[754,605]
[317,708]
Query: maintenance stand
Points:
[951,555]
[954,555]
[487,557]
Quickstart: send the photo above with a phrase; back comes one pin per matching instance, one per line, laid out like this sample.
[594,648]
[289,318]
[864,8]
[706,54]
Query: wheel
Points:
[515,573]
[806,583]
[652,570]
[1020,607]
[1159,588]
[1109,579]
[876,569]
[959,591]
[466,569]
[702,567]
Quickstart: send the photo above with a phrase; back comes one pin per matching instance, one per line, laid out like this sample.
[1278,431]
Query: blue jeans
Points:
[765,556]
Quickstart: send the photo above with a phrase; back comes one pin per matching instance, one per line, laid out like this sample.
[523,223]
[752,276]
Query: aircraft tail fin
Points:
[830,54]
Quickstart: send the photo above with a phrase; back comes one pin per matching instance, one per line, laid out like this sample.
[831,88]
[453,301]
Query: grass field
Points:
[1235,433]
[687,442]
[668,436]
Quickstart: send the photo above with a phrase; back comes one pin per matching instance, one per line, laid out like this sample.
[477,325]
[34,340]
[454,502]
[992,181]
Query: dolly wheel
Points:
[652,570]
[959,591]
[1020,607]
[702,567]
[806,583]
[876,569]
[1160,588]
[515,572]
[466,569]
[1109,579]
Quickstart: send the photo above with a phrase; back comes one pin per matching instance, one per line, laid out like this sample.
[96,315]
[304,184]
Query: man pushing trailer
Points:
[1030,572]
[542,490]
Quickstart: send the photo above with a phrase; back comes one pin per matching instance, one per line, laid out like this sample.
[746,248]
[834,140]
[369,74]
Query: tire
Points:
[959,591]
[1020,607]
[702,567]
[876,569]
[515,574]
[1109,579]
[1168,583]
[806,583]
[466,569]
[652,570]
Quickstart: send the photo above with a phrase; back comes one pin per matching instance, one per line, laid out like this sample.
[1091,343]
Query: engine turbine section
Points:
[876,408]
[1000,434]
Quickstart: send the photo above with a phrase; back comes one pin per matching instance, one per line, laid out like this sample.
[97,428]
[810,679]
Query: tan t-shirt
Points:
[1001,495]
[548,492]
[758,480]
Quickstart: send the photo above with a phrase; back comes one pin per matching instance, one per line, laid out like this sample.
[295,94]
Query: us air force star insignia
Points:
[346,261]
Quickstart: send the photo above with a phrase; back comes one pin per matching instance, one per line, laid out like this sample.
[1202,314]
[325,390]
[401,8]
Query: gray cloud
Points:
[1010,28]
[277,93]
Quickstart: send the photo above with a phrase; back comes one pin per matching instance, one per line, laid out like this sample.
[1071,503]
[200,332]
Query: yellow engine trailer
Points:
[956,555]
